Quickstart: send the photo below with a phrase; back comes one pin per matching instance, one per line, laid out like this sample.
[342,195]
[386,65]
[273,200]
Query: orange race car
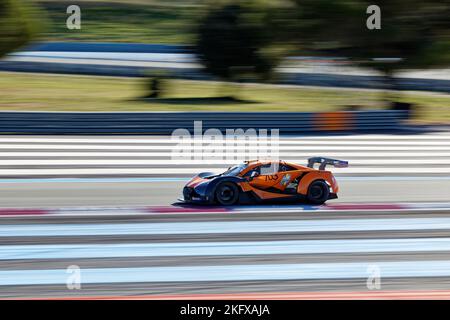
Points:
[262,181]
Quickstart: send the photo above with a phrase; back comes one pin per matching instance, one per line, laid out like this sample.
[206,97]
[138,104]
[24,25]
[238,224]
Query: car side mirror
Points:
[253,175]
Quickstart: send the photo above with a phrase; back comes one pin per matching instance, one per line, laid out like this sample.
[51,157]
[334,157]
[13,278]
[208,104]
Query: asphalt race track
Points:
[225,253]
[121,192]
[87,204]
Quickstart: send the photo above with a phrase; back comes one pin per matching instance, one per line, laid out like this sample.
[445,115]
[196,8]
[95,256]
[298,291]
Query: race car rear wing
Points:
[325,161]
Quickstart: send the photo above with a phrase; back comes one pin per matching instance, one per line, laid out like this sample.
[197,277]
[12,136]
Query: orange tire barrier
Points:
[333,121]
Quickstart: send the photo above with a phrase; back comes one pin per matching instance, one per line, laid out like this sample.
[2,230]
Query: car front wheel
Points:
[227,193]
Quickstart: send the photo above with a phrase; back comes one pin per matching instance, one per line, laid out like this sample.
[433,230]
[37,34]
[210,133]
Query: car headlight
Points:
[201,188]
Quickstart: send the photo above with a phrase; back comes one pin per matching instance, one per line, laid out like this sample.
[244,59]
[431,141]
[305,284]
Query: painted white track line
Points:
[442,141]
[20,162]
[249,248]
[35,156]
[299,155]
[234,210]
[225,227]
[357,270]
[224,148]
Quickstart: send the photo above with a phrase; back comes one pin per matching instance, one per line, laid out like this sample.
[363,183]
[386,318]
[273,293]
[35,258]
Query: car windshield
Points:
[234,171]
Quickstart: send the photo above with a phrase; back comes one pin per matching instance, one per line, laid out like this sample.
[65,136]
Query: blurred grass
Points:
[169,22]
[42,92]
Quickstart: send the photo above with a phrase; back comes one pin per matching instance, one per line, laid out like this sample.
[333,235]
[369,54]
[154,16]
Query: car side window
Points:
[263,170]
[268,169]
[255,169]
[285,167]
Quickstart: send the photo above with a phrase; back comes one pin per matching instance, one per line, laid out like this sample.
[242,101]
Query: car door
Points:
[287,175]
[267,178]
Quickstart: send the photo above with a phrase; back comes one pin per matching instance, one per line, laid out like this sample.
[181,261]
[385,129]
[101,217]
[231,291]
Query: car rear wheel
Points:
[227,193]
[318,192]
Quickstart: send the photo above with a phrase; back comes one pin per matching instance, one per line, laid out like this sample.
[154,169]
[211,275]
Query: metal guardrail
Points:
[307,79]
[163,123]
[189,72]
[107,47]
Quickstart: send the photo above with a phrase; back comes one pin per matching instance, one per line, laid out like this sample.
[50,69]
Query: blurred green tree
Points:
[235,41]
[413,34]
[20,22]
